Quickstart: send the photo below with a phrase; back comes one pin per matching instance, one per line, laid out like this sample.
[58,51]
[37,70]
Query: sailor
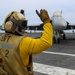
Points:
[16,49]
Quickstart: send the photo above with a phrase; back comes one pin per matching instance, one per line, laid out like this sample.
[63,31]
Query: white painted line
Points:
[52,70]
[66,54]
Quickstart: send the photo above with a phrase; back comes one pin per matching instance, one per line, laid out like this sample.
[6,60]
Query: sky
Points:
[29,6]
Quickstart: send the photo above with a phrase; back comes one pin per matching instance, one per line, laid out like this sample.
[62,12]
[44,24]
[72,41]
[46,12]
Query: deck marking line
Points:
[58,53]
[52,70]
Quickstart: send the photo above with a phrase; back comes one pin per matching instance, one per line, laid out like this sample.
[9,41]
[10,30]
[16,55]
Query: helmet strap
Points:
[17,32]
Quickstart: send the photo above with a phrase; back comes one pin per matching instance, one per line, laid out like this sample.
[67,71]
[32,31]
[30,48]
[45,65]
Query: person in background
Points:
[16,49]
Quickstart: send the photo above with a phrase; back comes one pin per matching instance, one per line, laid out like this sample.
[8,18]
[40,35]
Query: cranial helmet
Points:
[15,21]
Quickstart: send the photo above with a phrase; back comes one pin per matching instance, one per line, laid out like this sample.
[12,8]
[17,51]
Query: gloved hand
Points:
[43,16]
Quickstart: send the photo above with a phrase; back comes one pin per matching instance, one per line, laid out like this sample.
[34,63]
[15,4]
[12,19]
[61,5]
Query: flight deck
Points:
[57,60]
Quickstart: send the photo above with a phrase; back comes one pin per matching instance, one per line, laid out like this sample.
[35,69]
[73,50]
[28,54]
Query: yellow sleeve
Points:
[33,46]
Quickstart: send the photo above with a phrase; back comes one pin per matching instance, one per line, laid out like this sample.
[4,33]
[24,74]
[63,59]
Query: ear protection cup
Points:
[8,26]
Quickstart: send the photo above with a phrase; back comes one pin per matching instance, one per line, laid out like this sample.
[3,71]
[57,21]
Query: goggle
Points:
[22,24]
